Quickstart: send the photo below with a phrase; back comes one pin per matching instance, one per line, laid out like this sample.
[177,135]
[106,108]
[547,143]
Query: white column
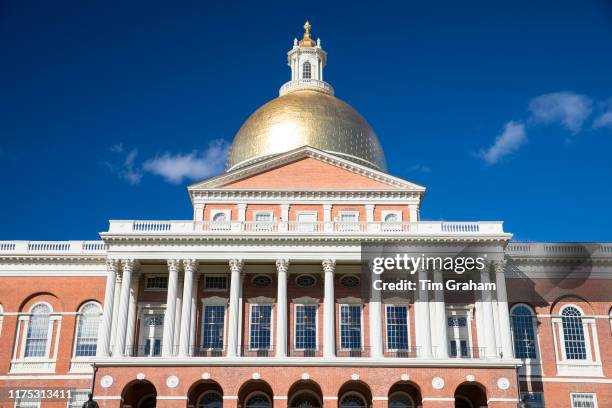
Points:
[369,212]
[376,340]
[423,323]
[440,318]
[107,317]
[189,266]
[234,307]
[132,310]
[329,309]
[327,212]
[502,307]
[124,303]
[169,317]
[116,298]
[282,266]
[487,311]
[413,212]
[194,305]
[177,313]
[241,212]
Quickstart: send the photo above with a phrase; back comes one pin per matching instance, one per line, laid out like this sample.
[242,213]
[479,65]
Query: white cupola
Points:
[306,60]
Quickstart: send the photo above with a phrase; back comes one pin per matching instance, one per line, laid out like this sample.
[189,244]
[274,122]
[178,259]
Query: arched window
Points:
[573,334]
[210,400]
[391,217]
[306,70]
[352,401]
[524,332]
[400,400]
[220,217]
[305,399]
[38,334]
[87,330]
[258,401]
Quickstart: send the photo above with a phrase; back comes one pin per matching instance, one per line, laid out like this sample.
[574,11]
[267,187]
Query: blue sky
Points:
[501,109]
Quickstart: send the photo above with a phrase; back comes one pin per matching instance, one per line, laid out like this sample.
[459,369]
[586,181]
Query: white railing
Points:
[306,84]
[32,366]
[559,249]
[53,247]
[300,228]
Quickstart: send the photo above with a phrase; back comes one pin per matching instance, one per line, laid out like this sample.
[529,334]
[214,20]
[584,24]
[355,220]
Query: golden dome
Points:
[306,117]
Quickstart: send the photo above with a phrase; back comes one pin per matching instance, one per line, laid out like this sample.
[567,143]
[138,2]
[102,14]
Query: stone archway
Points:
[404,394]
[205,394]
[470,395]
[305,394]
[139,394]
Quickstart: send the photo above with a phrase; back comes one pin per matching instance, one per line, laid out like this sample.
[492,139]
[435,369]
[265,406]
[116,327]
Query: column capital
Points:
[174,265]
[498,266]
[112,265]
[236,265]
[329,265]
[190,265]
[128,264]
[282,265]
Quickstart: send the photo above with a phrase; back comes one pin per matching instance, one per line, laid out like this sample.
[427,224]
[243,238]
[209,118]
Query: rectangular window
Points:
[77,398]
[213,326]
[261,327]
[350,327]
[27,403]
[156,283]
[458,348]
[37,336]
[305,327]
[87,336]
[583,400]
[215,283]
[397,327]
[533,399]
[263,221]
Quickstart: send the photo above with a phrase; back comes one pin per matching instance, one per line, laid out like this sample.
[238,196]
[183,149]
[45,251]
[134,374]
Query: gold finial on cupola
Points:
[307,41]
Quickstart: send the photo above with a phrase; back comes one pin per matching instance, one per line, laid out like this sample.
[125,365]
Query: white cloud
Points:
[604,120]
[565,108]
[174,168]
[508,142]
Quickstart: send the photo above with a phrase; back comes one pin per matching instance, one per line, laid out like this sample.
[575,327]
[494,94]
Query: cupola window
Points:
[306,70]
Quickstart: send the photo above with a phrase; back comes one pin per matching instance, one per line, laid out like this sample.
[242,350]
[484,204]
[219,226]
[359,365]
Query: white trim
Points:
[170,397]
[361,329]
[75,337]
[530,363]
[221,302]
[108,397]
[386,326]
[596,405]
[567,380]
[251,305]
[451,399]
[494,399]
[45,377]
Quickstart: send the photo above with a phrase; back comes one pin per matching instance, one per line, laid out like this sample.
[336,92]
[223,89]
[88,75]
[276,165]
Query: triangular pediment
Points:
[309,169]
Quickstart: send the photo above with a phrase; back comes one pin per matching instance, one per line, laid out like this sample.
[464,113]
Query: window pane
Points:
[523,332]
[87,334]
[350,327]
[583,400]
[306,327]
[573,333]
[77,398]
[261,319]
[38,331]
[397,327]
[213,322]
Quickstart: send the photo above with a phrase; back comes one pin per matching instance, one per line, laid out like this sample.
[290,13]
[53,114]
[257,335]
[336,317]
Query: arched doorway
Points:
[354,394]
[305,394]
[470,395]
[139,394]
[255,394]
[404,394]
[205,394]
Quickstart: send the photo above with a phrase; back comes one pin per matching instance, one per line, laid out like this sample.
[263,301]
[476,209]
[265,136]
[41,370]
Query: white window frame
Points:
[26,320]
[583,393]
[396,304]
[145,309]
[315,303]
[75,392]
[155,275]
[461,311]
[384,213]
[213,301]
[251,306]
[18,401]
[534,324]
[585,331]
[361,330]
[216,275]
[348,212]
[77,326]
[227,213]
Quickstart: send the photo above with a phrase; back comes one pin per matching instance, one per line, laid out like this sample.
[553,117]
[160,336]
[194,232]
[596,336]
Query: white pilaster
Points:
[126,283]
[375,308]
[189,266]
[440,318]
[413,212]
[284,212]
[327,212]
[487,311]
[107,317]
[198,212]
[369,212]
[242,212]
[132,310]
[282,266]
[234,308]
[169,317]
[329,310]
[502,308]
[423,323]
